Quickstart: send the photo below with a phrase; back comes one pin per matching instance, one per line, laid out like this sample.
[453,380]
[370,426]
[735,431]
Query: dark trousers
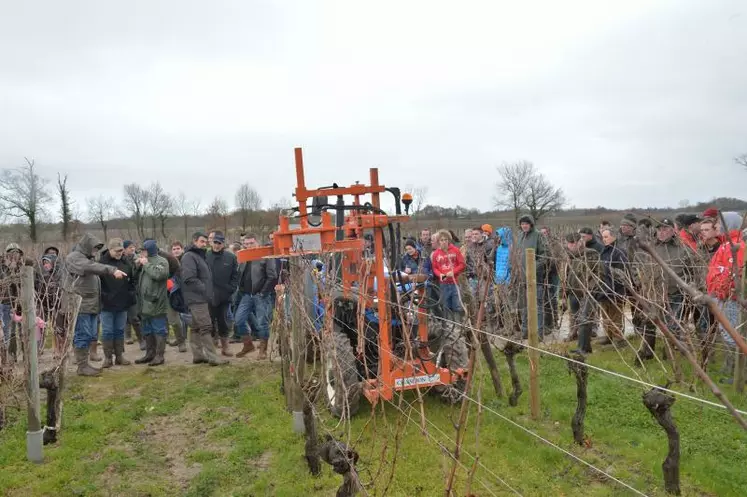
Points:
[582,316]
[218,317]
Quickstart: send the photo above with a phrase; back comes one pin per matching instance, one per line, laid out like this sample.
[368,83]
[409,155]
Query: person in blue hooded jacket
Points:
[504,238]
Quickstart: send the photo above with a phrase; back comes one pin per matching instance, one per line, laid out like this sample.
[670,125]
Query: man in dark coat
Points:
[82,277]
[117,295]
[529,237]
[197,289]
[225,271]
[612,290]
[582,281]
[257,280]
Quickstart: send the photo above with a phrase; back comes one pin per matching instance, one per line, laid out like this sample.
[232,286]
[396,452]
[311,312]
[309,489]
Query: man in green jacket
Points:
[154,302]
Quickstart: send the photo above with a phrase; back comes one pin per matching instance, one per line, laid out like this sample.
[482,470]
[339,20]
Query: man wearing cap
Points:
[587,235]
[117,296]
[81,277]
[225,271]
[681,259]
[690,230]
[153,302]
[625,238]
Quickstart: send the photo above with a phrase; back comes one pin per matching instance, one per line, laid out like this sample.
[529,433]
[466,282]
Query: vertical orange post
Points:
[301,187]
[385,328]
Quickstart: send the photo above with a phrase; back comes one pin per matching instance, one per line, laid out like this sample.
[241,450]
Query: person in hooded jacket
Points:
[153,302]
[117,296]
[723,271]
[10,304]
[82,278]
[133,320]
[47,283]
[529,237]
[197,289]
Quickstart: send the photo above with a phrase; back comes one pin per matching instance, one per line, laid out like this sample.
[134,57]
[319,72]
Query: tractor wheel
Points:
[452,353]
[342,384]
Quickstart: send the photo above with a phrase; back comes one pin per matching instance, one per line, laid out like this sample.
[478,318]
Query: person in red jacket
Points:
[448,263]
[722,273]
[690,231]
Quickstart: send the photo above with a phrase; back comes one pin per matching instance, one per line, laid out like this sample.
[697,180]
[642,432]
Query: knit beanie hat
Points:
[151,247]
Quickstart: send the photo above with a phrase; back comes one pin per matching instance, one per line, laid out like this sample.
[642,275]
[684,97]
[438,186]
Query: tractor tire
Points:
[451,352]
[341,382]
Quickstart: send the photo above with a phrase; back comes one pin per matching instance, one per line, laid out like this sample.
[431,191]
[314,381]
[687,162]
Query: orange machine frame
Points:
[395,374]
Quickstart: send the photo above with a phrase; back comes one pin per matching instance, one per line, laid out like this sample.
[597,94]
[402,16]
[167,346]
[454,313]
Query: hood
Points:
[87,244]
[52,247]
[51,258]
[733,221]
[201,252]
[527,218]
[505,235]
[13,246]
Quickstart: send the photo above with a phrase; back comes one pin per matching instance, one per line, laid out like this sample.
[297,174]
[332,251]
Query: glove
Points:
[40,323]
[17,318]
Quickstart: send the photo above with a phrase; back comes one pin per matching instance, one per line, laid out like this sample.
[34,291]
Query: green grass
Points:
[224,431]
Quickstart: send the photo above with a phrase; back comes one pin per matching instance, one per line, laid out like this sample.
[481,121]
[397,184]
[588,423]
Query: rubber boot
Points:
[119,347]
[85,369]
[224,348]
[248,346]
[108,346]
[150,350]
[262,350]
[93,355]
[160,349]
[208,348]
[183,340]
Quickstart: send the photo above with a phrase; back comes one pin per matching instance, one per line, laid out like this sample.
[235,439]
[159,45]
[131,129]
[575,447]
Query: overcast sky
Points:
[620,103]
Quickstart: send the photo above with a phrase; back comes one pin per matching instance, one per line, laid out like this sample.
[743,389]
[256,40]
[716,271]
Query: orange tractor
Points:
[382,340]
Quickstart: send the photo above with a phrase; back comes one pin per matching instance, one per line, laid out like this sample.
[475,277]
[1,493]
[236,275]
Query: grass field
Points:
[199,431]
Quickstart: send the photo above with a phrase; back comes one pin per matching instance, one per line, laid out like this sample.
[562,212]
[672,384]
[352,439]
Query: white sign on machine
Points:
[417,380]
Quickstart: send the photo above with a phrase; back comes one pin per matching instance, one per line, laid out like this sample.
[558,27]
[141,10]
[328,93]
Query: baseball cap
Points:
[586,231]
[115,244]
[666,222]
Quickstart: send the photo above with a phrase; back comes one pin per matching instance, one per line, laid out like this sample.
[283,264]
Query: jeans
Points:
[256,310]
[550,289]
[86,330]
[7,319]
[450,297]
[158,325]
[113,325]
[675,308]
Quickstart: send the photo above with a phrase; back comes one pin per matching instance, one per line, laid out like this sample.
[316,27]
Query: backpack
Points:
[176,298]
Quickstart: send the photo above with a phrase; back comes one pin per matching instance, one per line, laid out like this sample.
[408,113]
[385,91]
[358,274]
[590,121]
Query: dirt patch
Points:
[262,463]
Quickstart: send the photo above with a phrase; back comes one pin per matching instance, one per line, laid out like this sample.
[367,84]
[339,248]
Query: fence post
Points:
[298,346]
[739,371]
[34,433]
[533,333]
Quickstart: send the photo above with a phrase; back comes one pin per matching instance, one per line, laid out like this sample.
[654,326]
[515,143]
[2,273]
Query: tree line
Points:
[28,197]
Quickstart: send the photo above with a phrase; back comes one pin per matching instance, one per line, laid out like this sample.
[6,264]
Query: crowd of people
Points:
[142,293]
[596,275]
[139,292]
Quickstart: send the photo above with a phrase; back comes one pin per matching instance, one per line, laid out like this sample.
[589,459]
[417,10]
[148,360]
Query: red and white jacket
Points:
[444,262]
[720,278]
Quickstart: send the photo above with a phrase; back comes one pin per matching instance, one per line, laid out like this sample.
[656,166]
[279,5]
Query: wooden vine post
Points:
[582,375]
[532,327]
[297,348]
[659,405]
[741,362]
[510,351]
[34,432]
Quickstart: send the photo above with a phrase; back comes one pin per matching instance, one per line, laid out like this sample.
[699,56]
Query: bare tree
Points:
[136,204]
[159,207]
[248,202]
[522,187]
[100,211]
[23,195]
[184,209]
[217,211]
[512,187]
[66,214]
[542,198]
[741,160]
[419,197]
